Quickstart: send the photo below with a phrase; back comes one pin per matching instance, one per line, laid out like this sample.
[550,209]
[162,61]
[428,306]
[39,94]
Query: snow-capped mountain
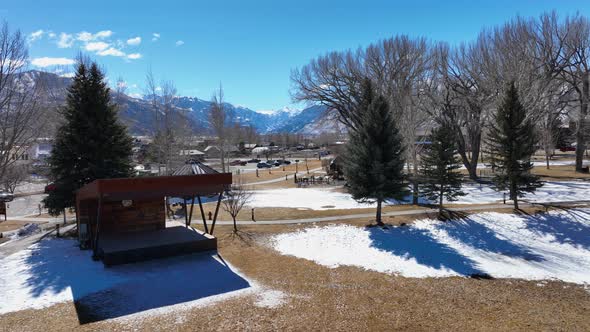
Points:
[137,113]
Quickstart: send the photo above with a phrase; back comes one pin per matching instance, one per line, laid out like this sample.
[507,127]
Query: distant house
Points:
[247,147]
[41,149]
[193,154]
[260,150]
[212,151]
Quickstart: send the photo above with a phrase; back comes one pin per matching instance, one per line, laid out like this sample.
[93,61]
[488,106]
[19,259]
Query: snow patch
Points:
[303,198]
[555,245]
[329,198]
[270,299]
[55,270]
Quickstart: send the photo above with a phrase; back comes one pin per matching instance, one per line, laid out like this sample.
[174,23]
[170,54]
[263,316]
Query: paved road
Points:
[24,206]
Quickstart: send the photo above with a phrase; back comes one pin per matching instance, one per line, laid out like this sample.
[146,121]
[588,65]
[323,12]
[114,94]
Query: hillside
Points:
[137,113]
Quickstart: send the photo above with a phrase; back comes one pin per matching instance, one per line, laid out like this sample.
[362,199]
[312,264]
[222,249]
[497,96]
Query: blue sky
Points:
[249,46]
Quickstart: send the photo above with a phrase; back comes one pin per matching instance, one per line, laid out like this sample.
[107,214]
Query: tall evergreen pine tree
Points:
[374,159]
[440,179]
[91,144]
[512,142]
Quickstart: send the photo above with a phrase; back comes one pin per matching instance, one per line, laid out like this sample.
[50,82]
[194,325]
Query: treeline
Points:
[427,83]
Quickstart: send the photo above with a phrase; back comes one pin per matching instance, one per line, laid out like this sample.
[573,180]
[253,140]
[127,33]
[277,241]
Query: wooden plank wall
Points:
[140,216]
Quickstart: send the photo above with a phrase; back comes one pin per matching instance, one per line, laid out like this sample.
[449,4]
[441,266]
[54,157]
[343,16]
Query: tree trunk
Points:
[235,225]
[580,133]
[440,204]
[415,181]
[222,155]
[547,158]
[378,214]
[513,194]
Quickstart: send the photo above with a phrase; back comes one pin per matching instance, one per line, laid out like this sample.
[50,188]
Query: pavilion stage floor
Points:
[133,247]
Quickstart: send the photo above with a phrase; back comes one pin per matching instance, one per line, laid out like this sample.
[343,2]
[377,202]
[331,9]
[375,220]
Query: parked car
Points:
[263,165]
[6,196]
[567,148]
[254,161]
[286,162]
[277,163]
[48,188]
[238,163]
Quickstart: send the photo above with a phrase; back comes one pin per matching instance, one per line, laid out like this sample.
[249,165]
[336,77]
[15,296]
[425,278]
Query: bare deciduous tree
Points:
[236,197]
[577,74]
[21,116]
[170,129]
[13,176]
[218,118]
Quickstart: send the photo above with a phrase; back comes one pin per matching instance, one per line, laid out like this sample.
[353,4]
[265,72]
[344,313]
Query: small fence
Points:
[305,181]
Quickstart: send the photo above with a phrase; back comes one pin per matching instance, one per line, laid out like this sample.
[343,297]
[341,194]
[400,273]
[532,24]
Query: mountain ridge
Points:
[138,115]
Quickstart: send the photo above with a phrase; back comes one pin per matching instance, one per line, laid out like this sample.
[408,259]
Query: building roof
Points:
[154,187]
[194,167]
[193,152]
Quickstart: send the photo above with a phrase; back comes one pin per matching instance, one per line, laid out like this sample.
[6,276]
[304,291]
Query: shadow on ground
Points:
[411,242]
[103,293]
[572,226]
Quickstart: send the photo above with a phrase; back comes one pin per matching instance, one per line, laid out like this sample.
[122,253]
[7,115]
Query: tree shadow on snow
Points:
[103,293]
[481,237]
[411,242]
[569,227]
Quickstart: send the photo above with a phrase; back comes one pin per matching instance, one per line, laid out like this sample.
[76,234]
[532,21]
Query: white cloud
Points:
[112,52]
[155,36]
[36,35]
[65,40]
[96,46]
[134,56]
[134,41]
[69,75]
[51,34]
[47,62]
[179,43]
[86,36]
[103,34]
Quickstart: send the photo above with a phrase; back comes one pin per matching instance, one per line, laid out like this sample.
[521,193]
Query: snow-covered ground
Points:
[328,198]
[549,246]
[552,191]
[305,198]
[55,270]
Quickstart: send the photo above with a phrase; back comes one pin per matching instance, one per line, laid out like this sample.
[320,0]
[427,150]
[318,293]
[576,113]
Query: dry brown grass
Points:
[560,172]
[47,215]
[270,213]
[346,299]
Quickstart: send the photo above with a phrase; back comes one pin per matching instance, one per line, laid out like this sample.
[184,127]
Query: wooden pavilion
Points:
[124,220]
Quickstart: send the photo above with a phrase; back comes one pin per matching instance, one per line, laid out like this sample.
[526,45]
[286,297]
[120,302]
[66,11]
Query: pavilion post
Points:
[216,211]
[185,212]
[203,214]
[96,235]
[190,215]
